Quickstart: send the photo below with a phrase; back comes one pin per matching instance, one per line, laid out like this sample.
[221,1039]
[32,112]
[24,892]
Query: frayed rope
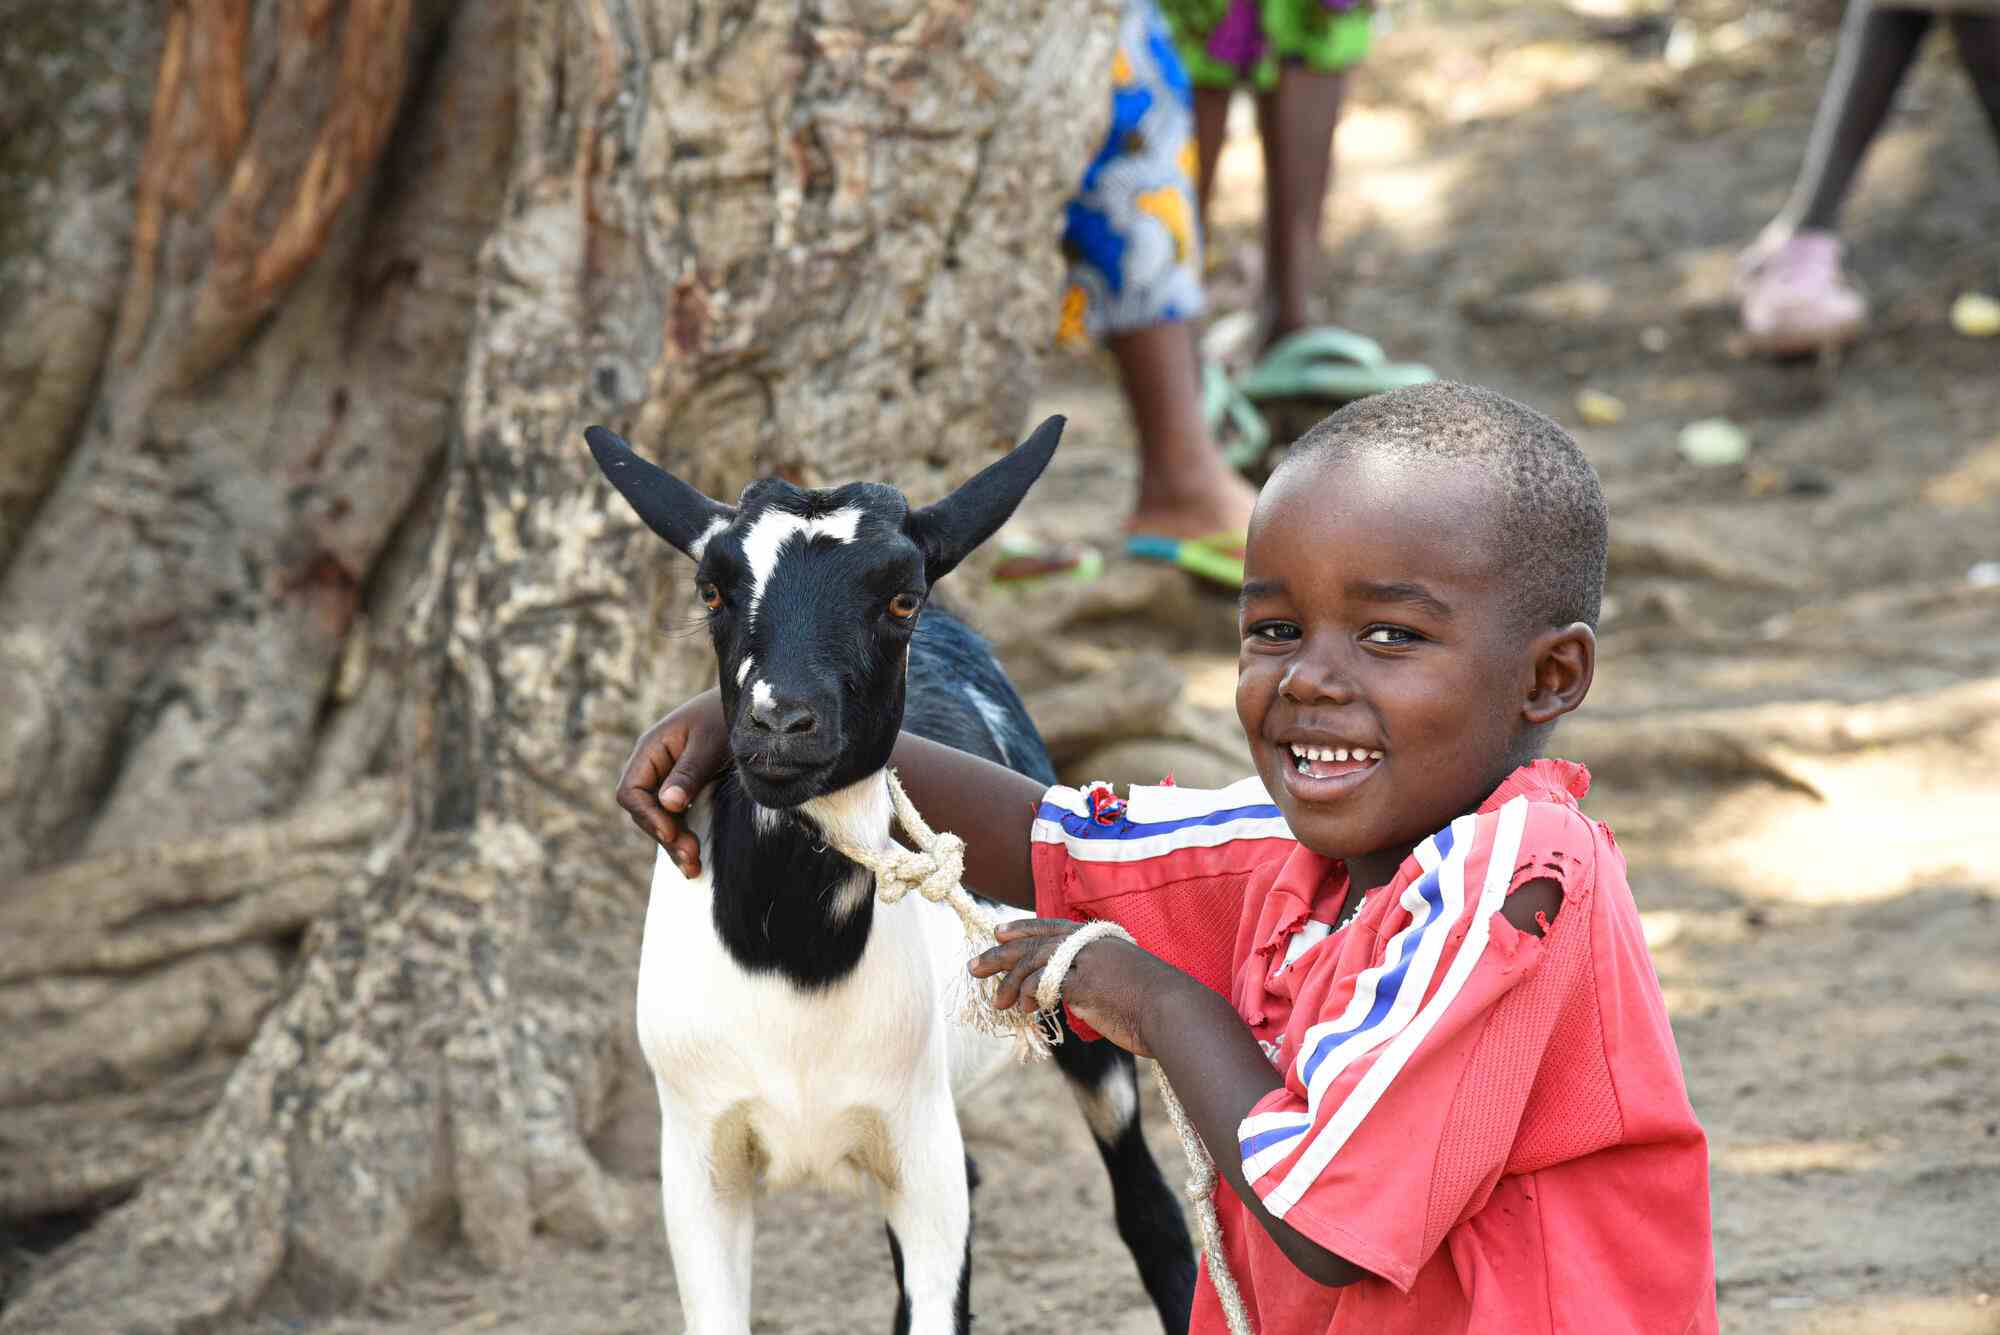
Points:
[936,870]
[1201,1168]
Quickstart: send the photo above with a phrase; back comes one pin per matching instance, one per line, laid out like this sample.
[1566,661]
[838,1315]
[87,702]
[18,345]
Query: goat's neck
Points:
[857,815]
[785,901]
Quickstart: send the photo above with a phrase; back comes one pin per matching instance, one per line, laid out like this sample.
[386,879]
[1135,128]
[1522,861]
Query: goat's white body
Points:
[764,1085]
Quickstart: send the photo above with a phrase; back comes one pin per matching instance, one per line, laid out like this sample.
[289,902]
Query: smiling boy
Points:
[1398,980]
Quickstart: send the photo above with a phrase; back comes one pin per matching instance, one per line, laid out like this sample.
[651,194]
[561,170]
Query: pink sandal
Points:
[1795,298]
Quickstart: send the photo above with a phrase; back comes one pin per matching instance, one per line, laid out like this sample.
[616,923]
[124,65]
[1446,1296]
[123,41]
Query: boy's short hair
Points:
[1550,500]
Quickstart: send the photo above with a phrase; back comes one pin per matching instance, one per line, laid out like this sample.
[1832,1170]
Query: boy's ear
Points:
[1565,661]
[670,507]
[947,531]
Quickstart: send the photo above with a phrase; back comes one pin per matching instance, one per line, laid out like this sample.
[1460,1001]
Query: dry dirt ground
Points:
[1534,200]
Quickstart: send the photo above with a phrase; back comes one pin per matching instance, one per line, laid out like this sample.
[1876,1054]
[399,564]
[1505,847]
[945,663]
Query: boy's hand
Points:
[673,761]
[1108,983]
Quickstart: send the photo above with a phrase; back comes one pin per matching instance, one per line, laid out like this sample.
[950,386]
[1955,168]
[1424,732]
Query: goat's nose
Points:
[789,717]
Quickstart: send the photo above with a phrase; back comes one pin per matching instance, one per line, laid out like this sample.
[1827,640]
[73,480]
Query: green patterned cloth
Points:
[1233,43]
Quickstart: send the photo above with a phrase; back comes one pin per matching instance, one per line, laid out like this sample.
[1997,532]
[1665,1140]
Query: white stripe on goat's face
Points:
[811,659]
[769,534]
[700,544]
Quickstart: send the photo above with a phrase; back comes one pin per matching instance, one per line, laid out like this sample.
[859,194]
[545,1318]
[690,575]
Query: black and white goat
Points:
[797,1029]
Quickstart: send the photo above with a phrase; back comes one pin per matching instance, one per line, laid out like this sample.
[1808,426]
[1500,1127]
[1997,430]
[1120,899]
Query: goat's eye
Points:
[711,597]
[904,606]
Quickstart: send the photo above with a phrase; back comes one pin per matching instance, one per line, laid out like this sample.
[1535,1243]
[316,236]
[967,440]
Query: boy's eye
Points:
[1273,632]
[1390,635]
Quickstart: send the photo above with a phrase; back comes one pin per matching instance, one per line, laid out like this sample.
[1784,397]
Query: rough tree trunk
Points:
[252,685]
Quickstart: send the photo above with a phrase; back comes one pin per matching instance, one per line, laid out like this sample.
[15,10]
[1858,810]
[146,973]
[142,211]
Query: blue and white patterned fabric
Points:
[1131,232]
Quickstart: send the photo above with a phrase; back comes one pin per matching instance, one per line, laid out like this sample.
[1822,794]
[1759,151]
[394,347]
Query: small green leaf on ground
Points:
[1597,408]
[1714,442]
[1976,315]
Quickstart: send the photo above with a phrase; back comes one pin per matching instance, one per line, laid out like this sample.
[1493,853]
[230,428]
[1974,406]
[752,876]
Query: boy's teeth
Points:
[1306,756]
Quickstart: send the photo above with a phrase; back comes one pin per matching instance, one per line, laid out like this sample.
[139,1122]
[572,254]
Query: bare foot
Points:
[1221,506]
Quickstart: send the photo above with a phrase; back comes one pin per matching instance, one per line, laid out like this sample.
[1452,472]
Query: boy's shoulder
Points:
[1557,837]
[1548,781]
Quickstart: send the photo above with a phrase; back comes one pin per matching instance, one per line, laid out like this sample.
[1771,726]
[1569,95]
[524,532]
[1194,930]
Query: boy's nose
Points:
[1316,677]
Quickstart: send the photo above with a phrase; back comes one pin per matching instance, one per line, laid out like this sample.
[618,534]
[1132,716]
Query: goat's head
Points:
[811,599]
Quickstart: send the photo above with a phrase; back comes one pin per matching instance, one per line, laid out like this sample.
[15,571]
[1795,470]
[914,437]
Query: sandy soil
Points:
[1533,200]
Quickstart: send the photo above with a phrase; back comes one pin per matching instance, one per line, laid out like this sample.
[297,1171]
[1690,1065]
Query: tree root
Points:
[127,977]
[132,908]
[1782,743]
[436,1052]
[80,1154]
[88,1035]
[1637,549]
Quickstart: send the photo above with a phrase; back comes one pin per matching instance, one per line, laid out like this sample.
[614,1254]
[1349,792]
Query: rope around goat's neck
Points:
[1201,1168]
[936,870]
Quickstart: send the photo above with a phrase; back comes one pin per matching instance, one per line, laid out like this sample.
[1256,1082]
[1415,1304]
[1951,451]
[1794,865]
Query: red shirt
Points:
[1494,1125]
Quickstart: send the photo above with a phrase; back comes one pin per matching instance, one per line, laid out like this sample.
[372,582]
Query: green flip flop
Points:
[1328,363]
[1232,419]
[1025,564]
[1217,557]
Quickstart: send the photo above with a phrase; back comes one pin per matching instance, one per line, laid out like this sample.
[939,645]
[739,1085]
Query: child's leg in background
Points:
[1977,37]
[1211,126]
[1877,44]
[1876,47]
[1796,298]
[1222,46]
[1295,54]
[1296,123]
[1135,284]
[1186,488]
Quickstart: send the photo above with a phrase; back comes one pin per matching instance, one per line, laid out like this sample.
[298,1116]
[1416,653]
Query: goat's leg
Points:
[930,1226]
[902,1326]
[709,1232]
[1104,1080]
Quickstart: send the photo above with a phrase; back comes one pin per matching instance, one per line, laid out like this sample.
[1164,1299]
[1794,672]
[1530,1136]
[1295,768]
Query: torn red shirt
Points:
[1495,1126]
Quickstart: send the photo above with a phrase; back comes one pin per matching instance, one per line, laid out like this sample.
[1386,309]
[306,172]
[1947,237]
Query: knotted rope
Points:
[936,870]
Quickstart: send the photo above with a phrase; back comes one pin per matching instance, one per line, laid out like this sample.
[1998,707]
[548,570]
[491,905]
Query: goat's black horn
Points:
[670,507]
[950,529]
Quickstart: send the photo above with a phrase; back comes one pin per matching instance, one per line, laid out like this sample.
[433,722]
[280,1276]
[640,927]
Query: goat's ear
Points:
[950,529]
[670,507]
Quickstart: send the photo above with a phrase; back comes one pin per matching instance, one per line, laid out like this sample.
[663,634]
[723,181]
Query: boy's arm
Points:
[1150,1008]
[989,806]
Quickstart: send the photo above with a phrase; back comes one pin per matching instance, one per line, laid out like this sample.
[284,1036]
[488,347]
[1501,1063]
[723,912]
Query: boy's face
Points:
[1374,623]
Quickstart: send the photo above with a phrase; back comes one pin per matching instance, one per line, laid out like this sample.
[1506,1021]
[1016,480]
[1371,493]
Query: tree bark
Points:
[289,338]
[811,240]
[70,131]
